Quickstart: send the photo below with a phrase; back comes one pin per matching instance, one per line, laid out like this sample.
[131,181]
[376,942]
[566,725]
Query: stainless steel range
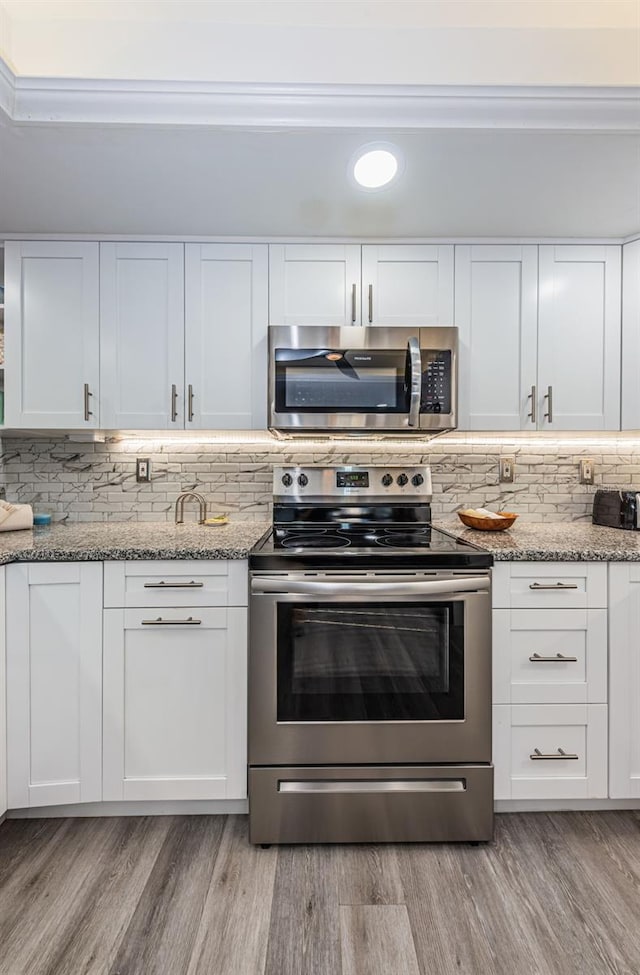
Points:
[369,666]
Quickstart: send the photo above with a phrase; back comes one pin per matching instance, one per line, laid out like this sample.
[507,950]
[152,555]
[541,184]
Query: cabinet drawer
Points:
[550,585]
[530,742]
[557,656]
[175,583]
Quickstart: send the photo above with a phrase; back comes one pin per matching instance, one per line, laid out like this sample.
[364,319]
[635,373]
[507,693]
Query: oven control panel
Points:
[351,482]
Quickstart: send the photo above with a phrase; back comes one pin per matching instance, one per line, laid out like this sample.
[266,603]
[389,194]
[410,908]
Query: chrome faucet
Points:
[186,496]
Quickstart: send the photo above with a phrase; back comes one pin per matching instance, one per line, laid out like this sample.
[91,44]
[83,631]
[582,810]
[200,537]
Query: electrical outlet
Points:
[586,470]
[143,470]
[507,470]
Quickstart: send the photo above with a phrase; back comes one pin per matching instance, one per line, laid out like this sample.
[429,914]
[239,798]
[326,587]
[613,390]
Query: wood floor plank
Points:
[87,941]
[41,896]
[23,841]
[161,935]
[377,940]
[234,926]
[448,935]
[304,931]
[370,874]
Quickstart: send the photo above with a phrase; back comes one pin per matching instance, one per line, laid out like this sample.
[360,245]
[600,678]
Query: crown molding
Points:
[86,101]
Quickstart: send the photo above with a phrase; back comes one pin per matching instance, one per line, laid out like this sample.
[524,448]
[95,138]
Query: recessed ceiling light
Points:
[375,166]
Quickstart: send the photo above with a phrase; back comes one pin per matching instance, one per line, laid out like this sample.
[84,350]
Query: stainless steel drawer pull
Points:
[554,756]
[559,658]
[370,304]
[353,304]
[532,396]
[549,398]
[374,785]
[190,399]
[553,585]
[160,622]
[174,585]
[174,403]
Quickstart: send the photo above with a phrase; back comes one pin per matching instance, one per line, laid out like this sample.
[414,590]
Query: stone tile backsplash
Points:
[96,481]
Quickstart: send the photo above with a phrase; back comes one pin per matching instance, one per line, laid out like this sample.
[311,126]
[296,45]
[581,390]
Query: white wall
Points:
[467,42]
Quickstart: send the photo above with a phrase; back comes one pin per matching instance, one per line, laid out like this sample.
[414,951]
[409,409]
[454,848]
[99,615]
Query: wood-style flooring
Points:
[556,894]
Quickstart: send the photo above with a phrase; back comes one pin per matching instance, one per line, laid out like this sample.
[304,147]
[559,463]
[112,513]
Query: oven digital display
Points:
[348,479]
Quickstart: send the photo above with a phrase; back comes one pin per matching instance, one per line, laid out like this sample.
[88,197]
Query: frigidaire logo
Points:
[362,358]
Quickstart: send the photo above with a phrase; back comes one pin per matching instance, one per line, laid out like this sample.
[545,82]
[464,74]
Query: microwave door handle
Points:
[413,348]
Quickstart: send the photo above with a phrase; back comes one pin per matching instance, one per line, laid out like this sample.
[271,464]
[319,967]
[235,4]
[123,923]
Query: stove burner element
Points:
[315,541]
[404,539]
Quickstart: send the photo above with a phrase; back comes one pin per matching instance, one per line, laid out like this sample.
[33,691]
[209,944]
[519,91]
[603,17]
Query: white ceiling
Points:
[215,182]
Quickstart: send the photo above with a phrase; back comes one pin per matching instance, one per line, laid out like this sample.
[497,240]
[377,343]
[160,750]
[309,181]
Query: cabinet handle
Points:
[87,396]
[538,658]
[353,304]
[549,399]
[174,403]
[532,396]
[190,398]
[553,585]
[174,585]
[370,304]
[537,756]
[160,622]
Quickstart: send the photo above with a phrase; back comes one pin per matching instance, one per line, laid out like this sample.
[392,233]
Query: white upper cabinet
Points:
[631,336]
[496,310]
[314,284]
[346,284]
[52,357]
[142,336]
[407,285]
[54,683]
[226,336]
[579,337]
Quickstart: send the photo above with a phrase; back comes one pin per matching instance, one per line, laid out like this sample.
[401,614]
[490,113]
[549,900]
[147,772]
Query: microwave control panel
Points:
[436,381]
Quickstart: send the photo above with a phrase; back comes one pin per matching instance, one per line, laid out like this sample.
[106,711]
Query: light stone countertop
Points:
[114,541]
[575,541]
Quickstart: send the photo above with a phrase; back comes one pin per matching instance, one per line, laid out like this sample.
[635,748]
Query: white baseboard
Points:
[208,807]
[562,805]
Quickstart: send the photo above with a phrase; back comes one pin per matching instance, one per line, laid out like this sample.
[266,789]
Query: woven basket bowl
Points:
[505,520]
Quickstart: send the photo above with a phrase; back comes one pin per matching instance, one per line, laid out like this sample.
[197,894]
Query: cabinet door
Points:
[496,299]
[54,683]
[631,336]
[314,284]
[175,704]
[624,680]
[52,358]
[579,338]
[226,336]
[142,336]
[407,284]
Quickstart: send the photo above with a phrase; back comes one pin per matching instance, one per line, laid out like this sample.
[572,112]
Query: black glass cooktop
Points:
[289,546]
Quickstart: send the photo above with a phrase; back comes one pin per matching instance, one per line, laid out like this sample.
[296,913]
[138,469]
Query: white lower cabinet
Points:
[175,691]
[550,695]
[550,751]
[54,683]
[3,702]
[624,680]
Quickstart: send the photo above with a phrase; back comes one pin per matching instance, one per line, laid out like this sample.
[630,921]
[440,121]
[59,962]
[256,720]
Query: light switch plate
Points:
[507,470]
[586,470]
[143,470]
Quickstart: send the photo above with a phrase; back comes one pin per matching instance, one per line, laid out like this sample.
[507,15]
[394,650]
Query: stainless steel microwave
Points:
[346,380]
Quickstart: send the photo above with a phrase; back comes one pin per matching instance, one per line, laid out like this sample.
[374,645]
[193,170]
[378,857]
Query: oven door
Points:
[369,668]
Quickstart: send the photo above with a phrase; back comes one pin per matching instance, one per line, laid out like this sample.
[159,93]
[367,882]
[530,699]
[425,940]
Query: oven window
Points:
[357,662]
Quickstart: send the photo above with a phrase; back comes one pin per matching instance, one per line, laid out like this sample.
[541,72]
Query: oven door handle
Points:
[415,359]
[347,587]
